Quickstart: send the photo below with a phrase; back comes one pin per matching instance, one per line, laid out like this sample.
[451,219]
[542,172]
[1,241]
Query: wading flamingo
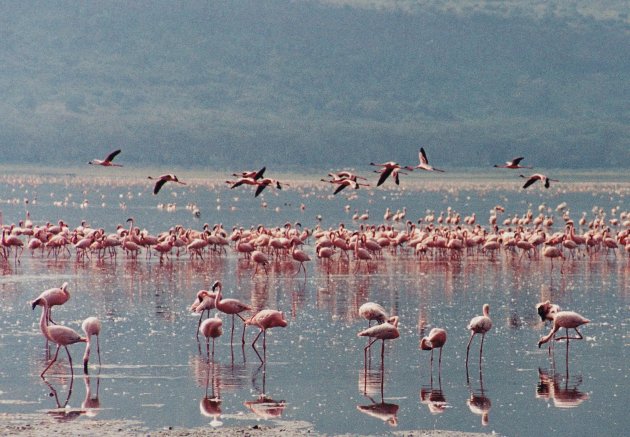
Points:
[373,311]
[265,319]
[91,326]
[479,325]
[60,335]
[567,320]
[53,296]
[435,340]
[231,307]
[383,331]
[211,328]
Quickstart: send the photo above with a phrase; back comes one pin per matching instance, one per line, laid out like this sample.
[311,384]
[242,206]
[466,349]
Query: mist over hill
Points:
[324,84]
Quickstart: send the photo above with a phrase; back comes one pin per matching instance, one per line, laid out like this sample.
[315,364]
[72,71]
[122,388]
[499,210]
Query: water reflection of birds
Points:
[91,404]
[210,404]
[478,403]
[562,389]
[372,383]
[61,412]
[434,398]
[264,406]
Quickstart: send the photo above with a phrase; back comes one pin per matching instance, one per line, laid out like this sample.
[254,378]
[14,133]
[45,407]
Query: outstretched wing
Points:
[339,188]
[423,157]
[260,173]
[112,155]
[260,189]
[516,161]
[529,182]
[384,175]
[158,186]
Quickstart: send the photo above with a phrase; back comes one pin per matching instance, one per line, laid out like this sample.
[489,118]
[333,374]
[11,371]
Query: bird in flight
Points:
[389,168]
[515,163]
[538,177]
[107,162]
[255,175]
[161,180]
[424,162]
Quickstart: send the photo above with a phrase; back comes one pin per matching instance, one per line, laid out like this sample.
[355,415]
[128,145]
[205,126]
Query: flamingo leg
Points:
[69,359]
[440,361]
[254,346]
[472,334]
[483,336]
[51,362]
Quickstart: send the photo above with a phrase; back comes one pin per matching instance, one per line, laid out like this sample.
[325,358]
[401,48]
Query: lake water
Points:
[152,369]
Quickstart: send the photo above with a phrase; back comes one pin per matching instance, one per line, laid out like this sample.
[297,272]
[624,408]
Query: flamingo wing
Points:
[516,161]
[112,155]
[530,181]
[340,187]
[260,173]
[260,189]
[158,185]
[384,175]
[423,157]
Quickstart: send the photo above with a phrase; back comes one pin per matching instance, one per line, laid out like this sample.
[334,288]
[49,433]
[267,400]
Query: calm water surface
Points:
[152,370]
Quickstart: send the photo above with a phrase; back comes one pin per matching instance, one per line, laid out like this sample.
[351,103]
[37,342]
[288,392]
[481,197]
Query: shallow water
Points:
[152,369]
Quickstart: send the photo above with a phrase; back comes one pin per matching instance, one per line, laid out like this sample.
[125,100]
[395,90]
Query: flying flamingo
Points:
[230,306]
[264,183]
[265,319]
[383,331]
[53,296]
[161,180]
[566,320]
[479,325]
[538,177]
[60,335]
[424,162]
[389,168]
[107,162]
[436,339]
[211,328]
[513,164]
[255,175]
[91,326]
[373,311]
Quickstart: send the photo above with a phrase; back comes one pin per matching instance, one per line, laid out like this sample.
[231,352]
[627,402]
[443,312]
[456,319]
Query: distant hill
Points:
[315,83]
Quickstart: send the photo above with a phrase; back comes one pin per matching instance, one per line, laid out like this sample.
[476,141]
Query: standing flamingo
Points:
[203,302]
[566,320]
[265,319]
[53,296]
[107,162]
[373,311]
[60,335]
[479,325]
[383,331]
[91,326]
[436,339]
[299,255]
[211,328]
[261,260]
[230,306]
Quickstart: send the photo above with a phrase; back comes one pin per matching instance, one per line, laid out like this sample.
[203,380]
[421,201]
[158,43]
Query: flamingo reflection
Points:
[434,398]
[478,403]
[372,382]
[264,406]
[61,412]
[562,389]
[210,404]
[91,404]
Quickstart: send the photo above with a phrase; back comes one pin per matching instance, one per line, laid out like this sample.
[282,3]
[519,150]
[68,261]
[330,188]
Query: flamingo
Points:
[264,183]
[261,260]
[266,319]
[107,162]
[424,162]
[538,177]
[60,335]
[383,331]
[436,339]
[161,180]
[52,296]
[299,255]
[567,320]
[389,168]
[552,252]
[479,325]
[91,326]
[255,175]
[229,306]
[513,164]
[373,311]
[547,310]
[203,302]
[211,328]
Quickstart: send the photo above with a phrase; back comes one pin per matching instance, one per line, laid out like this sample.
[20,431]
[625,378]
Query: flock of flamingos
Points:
[447,237]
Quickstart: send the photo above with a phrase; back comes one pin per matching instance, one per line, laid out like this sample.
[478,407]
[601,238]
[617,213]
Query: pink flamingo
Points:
[513,164]
[436,339]
[261,260]
[91,326]
[161,180]
[567,320]
[383,331]
[53,296]
[424,162]
[373,311]
[389,168]
[211,328]
[265,319]
[230,306]
[107,162]
[203,302]
[299,255]
[479,325]
[538,177]
[552,252]
[60,335]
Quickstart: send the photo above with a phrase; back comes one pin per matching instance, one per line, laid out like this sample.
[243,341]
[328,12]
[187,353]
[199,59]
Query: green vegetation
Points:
[307,83]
